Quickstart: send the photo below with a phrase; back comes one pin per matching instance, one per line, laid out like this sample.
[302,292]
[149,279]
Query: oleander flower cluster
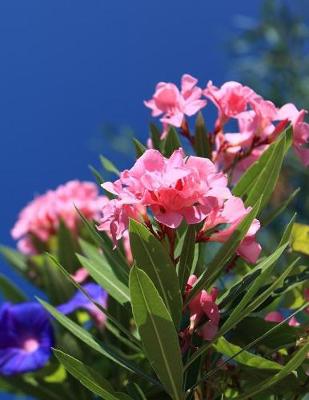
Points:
[40,219]
[176,189]
[160,287]
[258,121]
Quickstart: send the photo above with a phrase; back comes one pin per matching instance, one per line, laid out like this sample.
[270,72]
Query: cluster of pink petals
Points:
[277,316]
[173,103]
[42,216]
[259,123]
[232,212]
[204,311]
[176,189]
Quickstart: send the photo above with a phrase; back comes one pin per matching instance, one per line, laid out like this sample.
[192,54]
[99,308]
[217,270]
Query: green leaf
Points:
[99,306]
[287,231]
[245,308]
[114,257]
[291,366]
[67,248]
[157,332]
[261,338]
[150,255]
[201,138]
[249,178]
[172,142]
[244,357]
[186,256]
[223,255]
[32,388]
[275,213]
[99,178]
[108,165]
[88,377]
[97,256]
[264,270]
[155,136]
[300,238]
[58,289]
[266,180]
[90,341]
[105,276]
[9,291]
[139,148]
[14,258]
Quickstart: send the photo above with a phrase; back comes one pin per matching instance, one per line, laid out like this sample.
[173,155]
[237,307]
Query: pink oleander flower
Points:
[232,213]
[204,311]
[300,130]
[231,99]
[176,189]
[173,103]
[277,316]
[41,217]
[115,219]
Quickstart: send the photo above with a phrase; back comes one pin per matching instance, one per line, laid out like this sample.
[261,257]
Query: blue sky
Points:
[70,67]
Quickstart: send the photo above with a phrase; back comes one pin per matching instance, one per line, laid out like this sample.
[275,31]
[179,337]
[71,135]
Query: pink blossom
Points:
[277,316]
[175,104]
[41,217]
[231,99]
[300,130]
[115,218]
[174,188]
[202,306]
[232,213]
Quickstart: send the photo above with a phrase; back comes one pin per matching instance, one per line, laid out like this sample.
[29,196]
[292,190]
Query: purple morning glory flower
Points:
[26,338]
[80,301]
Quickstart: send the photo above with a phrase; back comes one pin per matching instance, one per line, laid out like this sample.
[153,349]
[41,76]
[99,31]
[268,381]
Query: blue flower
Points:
[81,301]
[26,338]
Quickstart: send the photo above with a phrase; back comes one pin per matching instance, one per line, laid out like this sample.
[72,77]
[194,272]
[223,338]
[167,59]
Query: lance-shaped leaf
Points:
[277,211]
[155,135]
[108,165]
[103,274]
[113,256]
[98,177]
[267,179]
[133,341]
[245,184]
[67,247]
[172,142]
[223,255]
[265,269]
[244,357]
[246,308]
[201,138]
[186,256]
[157,332]
[9,291]
[291,366]
[150,255]
[14,258]
[90,341]
[88,377]
[139,148]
